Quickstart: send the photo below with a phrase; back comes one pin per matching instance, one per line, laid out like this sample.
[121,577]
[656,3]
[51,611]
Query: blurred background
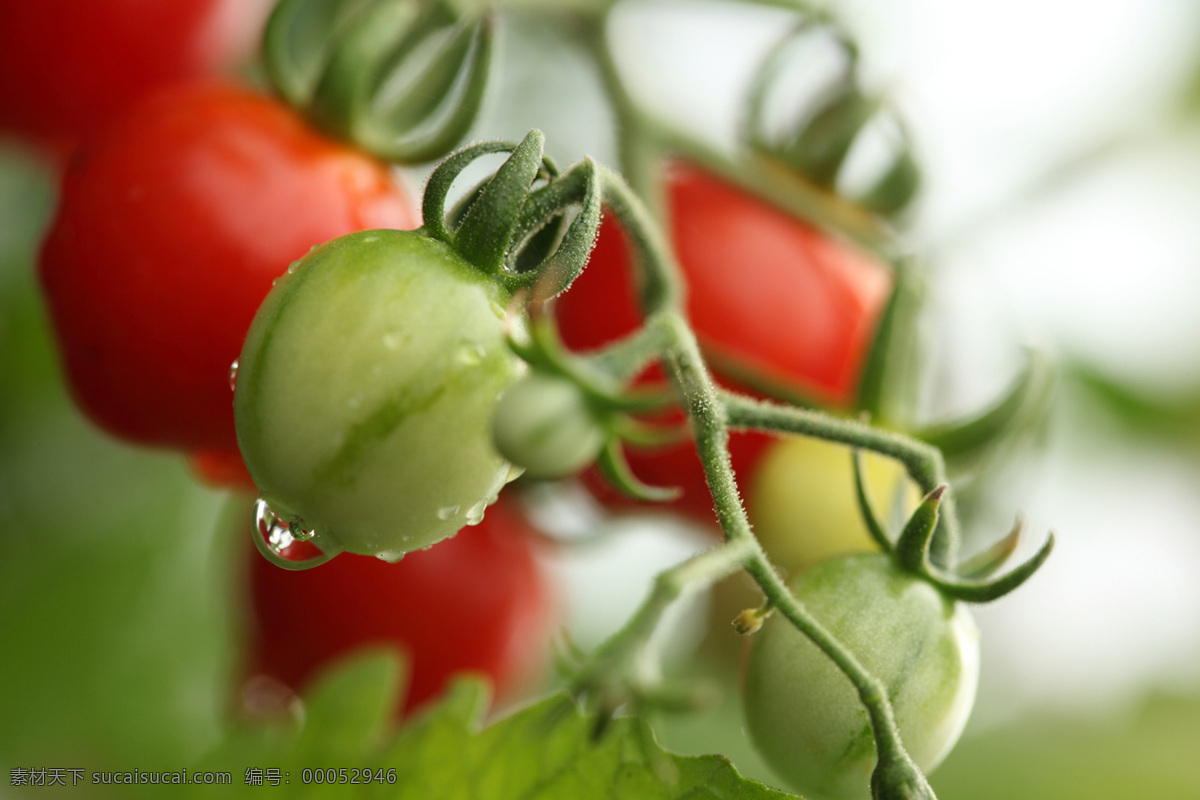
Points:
[1060,143]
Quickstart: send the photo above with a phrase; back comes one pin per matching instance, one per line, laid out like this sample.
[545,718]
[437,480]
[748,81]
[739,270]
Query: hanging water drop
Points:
[475,513]
[233,370]
[390,556]
[447,512]
[292,267]
[273,535]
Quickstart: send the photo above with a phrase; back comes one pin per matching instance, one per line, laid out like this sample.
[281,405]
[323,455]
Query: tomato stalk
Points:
[712,412]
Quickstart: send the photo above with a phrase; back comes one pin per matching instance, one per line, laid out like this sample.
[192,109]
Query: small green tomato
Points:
[546,424]
[366,389]
[804,715]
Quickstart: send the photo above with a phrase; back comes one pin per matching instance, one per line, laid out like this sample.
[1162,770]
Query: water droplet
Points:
[390,556]
[274,281]
[447,512]
[394,340]
[233,370]
[514,472]
[475,513]
[471,354]
[292,267]
[370,239]
[275,530]
[274,537]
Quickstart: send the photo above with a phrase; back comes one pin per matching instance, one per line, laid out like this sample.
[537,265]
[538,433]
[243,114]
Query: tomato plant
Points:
[768,295]
[69,66]
[477,602]
[806,718]
[170,231]
[366,392]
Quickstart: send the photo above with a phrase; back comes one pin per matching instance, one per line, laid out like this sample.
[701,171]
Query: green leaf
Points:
[349,709]
[544,752]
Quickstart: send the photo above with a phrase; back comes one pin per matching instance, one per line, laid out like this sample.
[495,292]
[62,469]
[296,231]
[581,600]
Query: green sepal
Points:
[887,383]
[357,60]
[616,470]
[912,547]
[401,79]
[556,272]
[437,189]
[898,185]
[819,149]
[1022,406]
[985,591]
[485,235]
[986,562]
[912,553]
[867,509]
[298,40]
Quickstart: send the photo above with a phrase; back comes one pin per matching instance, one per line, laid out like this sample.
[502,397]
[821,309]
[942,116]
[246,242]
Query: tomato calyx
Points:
[968,581]
[573,410]
[504,220]
[821,144]
[340,61]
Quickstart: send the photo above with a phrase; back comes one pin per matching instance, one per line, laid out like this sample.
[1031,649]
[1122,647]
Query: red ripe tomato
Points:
[171,229]
[766,293]
[67,66]
[476,602]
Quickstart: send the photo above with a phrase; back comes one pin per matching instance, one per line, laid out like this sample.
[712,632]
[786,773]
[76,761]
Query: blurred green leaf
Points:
[1153,752]
[116,617]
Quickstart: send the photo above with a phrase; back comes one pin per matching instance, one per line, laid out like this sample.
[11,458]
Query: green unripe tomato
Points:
[546,424]
[366,388]
[804,715]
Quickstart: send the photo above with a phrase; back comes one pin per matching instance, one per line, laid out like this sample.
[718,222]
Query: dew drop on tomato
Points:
[285,543]
[475,513]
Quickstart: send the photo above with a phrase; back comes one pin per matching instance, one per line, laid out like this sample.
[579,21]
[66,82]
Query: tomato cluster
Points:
[226,282]
[184,200]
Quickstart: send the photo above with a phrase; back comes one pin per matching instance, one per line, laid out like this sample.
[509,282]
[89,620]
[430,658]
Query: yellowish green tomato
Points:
[802,712]
[802,503]
[365,393]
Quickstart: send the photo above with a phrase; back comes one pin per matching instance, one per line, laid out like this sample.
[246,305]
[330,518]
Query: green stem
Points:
[709,413]
[923,462]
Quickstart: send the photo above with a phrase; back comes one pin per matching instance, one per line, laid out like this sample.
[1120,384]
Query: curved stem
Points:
[709,413]
[923,462]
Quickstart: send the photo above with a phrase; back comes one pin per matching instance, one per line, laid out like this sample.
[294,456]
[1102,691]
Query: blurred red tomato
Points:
[476,602]
[171,229]
[68,66]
